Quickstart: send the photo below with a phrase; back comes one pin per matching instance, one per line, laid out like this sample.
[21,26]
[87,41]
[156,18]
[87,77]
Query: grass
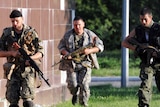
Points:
[108,96]
[110,64]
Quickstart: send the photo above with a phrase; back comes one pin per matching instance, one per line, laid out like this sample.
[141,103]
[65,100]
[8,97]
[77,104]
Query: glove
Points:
[139,50]
[156,54]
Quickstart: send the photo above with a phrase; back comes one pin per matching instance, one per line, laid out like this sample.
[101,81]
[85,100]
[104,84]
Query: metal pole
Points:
[125,52]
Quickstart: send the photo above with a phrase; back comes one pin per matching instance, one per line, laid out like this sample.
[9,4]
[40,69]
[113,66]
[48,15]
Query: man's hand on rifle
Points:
[15,53]
[65,54]
[139,50]
[27,63]
[156,54]
[91,50]
[87,51]
[67,57]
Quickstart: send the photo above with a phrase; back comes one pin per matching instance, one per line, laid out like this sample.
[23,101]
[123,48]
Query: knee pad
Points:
[28,104]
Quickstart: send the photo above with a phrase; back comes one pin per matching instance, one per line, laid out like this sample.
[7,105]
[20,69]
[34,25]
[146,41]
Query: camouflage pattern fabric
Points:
[78,81]
[79,73]
[145,90]
[21,81]
[21,85]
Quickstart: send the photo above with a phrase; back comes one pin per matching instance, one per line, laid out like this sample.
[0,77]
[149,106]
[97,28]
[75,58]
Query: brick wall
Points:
[51,19]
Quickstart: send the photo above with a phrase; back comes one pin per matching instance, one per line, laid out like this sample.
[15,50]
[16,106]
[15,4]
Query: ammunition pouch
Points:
[66,65]
[8,70]
[27,71]
[28,104]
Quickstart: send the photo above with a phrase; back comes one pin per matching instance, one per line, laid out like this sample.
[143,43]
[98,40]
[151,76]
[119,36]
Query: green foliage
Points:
[110,59]
[104,17]
[99,18]
[135,7]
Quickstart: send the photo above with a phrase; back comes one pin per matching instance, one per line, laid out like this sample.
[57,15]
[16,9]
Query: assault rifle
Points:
[133,41]
[147,54]
[76,55]
[149,51]
[27,57]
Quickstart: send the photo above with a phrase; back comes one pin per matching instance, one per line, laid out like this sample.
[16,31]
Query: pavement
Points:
[116,81]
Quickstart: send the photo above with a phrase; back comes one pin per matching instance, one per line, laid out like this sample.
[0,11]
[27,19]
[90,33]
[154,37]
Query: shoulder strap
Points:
[91,38]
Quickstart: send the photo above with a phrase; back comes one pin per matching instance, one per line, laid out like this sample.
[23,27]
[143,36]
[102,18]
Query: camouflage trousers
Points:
[145,89]
[20,85]
[78,83]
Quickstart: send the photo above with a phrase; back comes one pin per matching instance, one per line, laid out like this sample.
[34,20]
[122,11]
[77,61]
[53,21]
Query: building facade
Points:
[51,19]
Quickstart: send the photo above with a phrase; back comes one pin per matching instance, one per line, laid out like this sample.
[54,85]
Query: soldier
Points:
[79,72]
[18,72]
[147,36]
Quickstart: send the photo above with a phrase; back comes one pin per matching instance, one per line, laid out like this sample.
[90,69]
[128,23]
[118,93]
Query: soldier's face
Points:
[17,23]
[78,26]
[146,20]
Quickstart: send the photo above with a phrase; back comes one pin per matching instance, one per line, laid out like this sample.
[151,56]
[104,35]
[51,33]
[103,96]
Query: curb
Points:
[116,81]
[117,78]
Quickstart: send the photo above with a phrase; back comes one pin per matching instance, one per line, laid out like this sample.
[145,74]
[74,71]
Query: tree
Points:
[104,17]
[136,6]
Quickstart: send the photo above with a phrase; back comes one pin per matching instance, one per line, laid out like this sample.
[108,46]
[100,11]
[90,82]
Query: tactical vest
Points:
[78,42]
[153,35]
[28,41]
[152,38]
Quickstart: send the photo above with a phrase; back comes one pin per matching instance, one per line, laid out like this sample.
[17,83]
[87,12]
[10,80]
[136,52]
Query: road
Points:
[116,81]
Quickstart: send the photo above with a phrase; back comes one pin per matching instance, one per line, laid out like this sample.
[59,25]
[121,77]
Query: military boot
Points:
[13,105]
[74,99]
[28,104]
[144,106]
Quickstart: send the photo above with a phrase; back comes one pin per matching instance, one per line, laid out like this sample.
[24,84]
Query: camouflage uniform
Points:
[148,69]
[20,78]
[79,75]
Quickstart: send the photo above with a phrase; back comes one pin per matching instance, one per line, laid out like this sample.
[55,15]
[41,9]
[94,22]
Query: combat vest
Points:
[148,36]
[153,34]
[27,41]
[70,47]
[87,38]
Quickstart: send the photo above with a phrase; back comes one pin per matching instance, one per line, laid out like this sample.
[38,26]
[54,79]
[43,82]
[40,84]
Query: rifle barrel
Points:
[33,64]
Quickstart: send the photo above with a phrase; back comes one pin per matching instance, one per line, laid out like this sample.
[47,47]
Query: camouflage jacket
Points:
[67,43]
[28,40]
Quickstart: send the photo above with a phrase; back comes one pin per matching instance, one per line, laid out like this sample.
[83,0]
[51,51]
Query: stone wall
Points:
[51,19]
